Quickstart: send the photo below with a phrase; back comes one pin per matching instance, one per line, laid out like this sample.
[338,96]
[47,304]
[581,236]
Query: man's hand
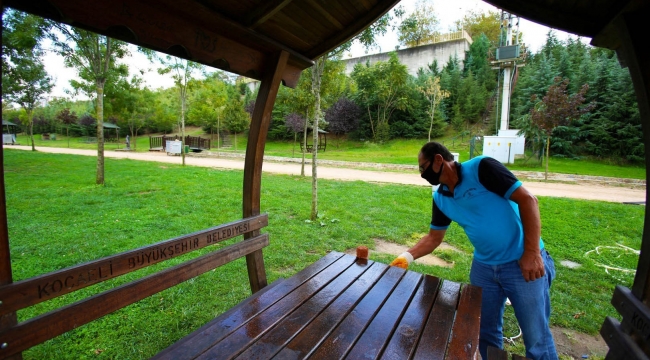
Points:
[532,265]
[403,260]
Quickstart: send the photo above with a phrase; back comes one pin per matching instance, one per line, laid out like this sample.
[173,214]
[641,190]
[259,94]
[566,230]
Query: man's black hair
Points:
[431,149]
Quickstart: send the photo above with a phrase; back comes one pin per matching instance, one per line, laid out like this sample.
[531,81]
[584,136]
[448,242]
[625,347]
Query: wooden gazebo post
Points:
[254,157]
[9,319]
[629,339]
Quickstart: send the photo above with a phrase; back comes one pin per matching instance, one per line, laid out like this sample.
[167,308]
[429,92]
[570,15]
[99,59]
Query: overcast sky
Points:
[446,11]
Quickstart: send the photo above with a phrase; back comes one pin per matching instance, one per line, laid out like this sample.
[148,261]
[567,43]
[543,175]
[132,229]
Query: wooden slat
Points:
[404,340]
[259,127]
[635,313]
[41,288]
[464,334]
[249,332]
[376,336]
[49,325]
[291,323]
[341,340]
[621,346]
[173,351]
[317,330]
[213,332]
[435,336]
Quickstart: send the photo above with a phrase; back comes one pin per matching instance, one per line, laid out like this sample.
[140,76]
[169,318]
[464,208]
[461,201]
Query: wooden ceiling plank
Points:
[326,14]
[264,12]
[297,41]
[308,17]
[229,28]
[383,6]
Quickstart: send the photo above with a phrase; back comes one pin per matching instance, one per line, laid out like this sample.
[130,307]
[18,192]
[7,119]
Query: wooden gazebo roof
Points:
[234,35]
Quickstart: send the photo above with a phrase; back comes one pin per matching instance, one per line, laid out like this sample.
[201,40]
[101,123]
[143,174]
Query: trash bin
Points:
[187,149]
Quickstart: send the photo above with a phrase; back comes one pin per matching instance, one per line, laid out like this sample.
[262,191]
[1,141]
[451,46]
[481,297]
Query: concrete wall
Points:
[420,56]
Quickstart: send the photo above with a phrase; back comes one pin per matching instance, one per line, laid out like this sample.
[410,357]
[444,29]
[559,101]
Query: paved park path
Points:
[587,187]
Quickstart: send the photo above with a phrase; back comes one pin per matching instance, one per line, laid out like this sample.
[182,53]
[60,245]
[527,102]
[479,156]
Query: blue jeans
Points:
[530,300]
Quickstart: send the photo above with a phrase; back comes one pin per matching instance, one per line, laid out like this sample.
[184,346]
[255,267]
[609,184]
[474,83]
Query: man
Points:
[501,219]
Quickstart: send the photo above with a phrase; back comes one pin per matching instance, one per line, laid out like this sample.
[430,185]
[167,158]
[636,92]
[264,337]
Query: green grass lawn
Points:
[58,218]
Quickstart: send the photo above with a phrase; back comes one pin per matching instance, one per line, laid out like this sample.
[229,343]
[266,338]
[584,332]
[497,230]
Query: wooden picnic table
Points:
[344,307]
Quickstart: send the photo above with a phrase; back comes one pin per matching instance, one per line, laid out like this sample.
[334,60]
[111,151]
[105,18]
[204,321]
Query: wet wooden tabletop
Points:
[344,307]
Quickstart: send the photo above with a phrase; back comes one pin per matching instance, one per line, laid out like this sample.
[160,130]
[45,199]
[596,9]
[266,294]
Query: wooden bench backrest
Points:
[21,294]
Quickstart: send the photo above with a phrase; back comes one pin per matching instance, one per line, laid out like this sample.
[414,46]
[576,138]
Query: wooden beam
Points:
[264,12]
[255,155]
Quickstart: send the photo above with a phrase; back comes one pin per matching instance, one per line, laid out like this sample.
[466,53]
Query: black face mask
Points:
[431,176]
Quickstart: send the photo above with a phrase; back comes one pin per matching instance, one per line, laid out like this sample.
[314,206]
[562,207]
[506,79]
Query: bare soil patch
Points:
[576,344]
[389,248]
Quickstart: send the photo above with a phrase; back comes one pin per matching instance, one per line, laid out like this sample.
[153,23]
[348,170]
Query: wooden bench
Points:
[18,295]
[344,306]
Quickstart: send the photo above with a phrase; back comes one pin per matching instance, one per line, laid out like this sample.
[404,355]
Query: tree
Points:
[182,71]
[67,118]
[434,94]
[296,124]
[342,117]
[93,56]
[558,108]
[478,23]
[28,84]
[381,91]
[209,98]
[24,79]
[419,27]
[236,120]
[21,37]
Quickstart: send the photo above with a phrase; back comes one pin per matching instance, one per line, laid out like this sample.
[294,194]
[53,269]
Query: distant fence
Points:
[195,142]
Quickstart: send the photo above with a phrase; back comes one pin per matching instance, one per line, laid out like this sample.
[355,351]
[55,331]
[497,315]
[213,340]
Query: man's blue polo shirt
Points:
[481,207]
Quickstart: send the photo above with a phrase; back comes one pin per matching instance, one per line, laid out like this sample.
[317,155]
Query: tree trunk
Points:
[31,127]
[548,148]
[304,145]
[293,149]
[317,73]
[100,133]
[183,127]
[67,134]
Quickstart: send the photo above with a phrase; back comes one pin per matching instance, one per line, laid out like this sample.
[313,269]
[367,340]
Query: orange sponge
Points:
[400,262]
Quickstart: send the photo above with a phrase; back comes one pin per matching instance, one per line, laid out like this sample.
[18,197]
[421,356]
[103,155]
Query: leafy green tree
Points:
[236,119]
[478,23]
[94,57]
[21,37]
[209,98]
[183,72]
[419,27]
[381,90]
[28,84]
[434,94]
